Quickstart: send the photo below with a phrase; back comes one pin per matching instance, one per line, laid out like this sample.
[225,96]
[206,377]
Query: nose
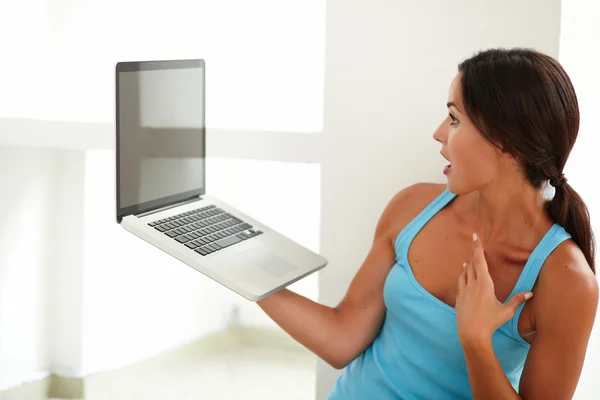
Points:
[440,133]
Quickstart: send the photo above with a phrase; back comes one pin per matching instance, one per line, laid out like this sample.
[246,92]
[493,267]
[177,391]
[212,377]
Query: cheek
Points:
[472,156]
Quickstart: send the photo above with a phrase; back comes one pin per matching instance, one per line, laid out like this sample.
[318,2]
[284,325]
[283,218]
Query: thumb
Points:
[517,300]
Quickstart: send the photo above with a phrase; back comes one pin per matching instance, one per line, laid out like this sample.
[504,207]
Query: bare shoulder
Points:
[407,204]
[566,286]
[568,270]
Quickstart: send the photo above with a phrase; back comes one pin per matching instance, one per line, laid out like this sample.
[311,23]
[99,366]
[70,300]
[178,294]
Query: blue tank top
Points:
[417,354]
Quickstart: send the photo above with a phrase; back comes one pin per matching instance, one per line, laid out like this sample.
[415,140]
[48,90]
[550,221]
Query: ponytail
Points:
[523,102]
[568,210]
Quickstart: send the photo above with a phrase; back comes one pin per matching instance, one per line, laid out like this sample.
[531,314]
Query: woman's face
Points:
[474,162]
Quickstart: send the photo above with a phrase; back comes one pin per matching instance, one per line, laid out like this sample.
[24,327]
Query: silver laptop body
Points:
[161,191]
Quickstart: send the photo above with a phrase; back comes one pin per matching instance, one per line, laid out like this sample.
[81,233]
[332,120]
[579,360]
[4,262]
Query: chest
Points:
[438,251]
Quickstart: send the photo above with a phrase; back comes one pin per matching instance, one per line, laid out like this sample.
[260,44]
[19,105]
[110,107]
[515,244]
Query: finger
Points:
[478,250]
[471,273]
[516,301]
[462,279]
[479,262]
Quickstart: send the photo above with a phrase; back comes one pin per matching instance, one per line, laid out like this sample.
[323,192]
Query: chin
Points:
[458,187]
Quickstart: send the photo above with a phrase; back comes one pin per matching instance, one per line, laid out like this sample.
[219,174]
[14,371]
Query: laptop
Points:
[161,185]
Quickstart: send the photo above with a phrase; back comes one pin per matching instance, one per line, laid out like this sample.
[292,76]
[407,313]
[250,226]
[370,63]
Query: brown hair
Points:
[523,102]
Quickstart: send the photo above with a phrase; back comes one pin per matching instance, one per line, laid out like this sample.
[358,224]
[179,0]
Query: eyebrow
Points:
[451,104]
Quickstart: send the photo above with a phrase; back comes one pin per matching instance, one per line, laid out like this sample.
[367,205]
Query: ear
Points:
[509,159]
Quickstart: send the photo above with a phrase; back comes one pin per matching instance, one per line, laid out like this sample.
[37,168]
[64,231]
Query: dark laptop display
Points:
[160,134]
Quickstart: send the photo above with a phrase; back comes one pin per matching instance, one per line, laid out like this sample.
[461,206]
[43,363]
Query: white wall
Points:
[138,301]
[77,293]
[25,176]
[580,35]
[102,307]
[388,68]
[64,264]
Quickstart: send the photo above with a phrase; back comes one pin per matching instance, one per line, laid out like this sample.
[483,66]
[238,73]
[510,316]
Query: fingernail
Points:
[474,237]
[464,265]
[528,295]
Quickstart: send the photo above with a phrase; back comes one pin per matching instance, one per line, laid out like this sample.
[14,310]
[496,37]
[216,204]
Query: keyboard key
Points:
[205,229]
[212,247]
[200,250]
[182,239]
[228,241]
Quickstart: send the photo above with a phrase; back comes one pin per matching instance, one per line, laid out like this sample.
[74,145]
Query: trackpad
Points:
[263,258]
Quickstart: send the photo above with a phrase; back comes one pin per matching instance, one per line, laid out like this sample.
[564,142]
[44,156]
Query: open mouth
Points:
[447,167]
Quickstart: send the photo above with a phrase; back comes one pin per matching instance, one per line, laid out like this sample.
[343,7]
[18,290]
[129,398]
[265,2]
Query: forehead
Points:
[454,93]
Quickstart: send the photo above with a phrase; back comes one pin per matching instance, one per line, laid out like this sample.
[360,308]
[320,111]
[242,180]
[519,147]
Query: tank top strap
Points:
[406,236]
[555,236]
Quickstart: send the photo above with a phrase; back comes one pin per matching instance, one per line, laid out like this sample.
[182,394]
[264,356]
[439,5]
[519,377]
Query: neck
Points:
[508,212]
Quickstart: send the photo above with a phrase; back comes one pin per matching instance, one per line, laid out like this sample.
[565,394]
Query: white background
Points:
[332,110]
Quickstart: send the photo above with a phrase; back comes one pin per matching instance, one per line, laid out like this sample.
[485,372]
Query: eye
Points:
[453,118]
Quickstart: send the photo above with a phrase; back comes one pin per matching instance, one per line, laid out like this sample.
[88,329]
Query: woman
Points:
[481,288]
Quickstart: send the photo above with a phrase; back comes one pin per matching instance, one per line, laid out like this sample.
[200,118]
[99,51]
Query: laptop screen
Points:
[160,126]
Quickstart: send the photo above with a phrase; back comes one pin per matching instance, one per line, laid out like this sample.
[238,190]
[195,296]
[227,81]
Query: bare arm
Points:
[565,302]
[565,309]
[338,335]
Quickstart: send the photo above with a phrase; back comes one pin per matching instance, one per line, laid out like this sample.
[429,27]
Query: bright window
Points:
[264,58]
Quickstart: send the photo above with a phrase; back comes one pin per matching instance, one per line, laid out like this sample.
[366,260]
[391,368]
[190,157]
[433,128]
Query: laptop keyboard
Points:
[205,230]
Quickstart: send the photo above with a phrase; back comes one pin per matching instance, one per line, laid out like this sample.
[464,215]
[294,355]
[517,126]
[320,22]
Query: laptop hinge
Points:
[150,212]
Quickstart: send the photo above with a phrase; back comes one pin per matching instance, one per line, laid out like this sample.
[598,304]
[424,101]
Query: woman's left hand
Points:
[478,311]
